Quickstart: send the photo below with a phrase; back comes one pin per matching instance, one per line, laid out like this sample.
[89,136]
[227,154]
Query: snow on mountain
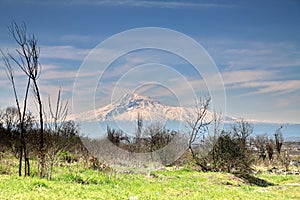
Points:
[128,107]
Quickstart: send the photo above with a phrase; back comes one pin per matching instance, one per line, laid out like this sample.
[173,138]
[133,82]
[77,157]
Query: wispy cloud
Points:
[272,87]
[286,101]
[77,38]
[239,54]
[159,4]
[64,52]
[133,3]
[261,81]
[54,73]
[242,76]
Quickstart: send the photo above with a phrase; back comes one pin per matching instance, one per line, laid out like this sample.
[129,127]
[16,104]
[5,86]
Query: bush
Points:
[4,169]
[65,156]
[229,154]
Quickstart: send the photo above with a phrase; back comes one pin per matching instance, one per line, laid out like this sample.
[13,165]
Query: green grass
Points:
[76,183]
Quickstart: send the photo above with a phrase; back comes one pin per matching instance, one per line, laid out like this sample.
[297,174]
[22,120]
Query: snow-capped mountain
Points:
[128,107]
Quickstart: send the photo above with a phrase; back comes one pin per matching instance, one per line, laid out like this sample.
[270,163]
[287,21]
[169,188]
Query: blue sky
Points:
[254,44]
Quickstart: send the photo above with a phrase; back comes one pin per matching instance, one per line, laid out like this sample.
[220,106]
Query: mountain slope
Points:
[130,106]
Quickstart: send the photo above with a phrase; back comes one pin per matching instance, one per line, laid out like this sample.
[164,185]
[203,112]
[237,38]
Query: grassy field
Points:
[75,183]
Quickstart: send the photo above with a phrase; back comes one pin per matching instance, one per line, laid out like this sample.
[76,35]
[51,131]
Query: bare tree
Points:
[278,139]
[116,136]
[11,127]
[264,145]
[158,136]
[270,149]
[21,114]
[28,61]
[138,133]
[216,122]
[261,142]
[59,132]
[197,123]
[242,130]
[212,140]
[10,118]
[285,160]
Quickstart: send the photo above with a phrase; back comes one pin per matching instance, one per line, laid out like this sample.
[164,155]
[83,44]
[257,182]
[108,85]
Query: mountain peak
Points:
[134,96]
[130,105]
[134,100]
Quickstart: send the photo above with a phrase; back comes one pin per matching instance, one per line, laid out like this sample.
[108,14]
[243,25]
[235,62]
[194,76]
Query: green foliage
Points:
[227,151]
[230,154]
[4,169]
[39,184]
[179,184]
[65,156]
